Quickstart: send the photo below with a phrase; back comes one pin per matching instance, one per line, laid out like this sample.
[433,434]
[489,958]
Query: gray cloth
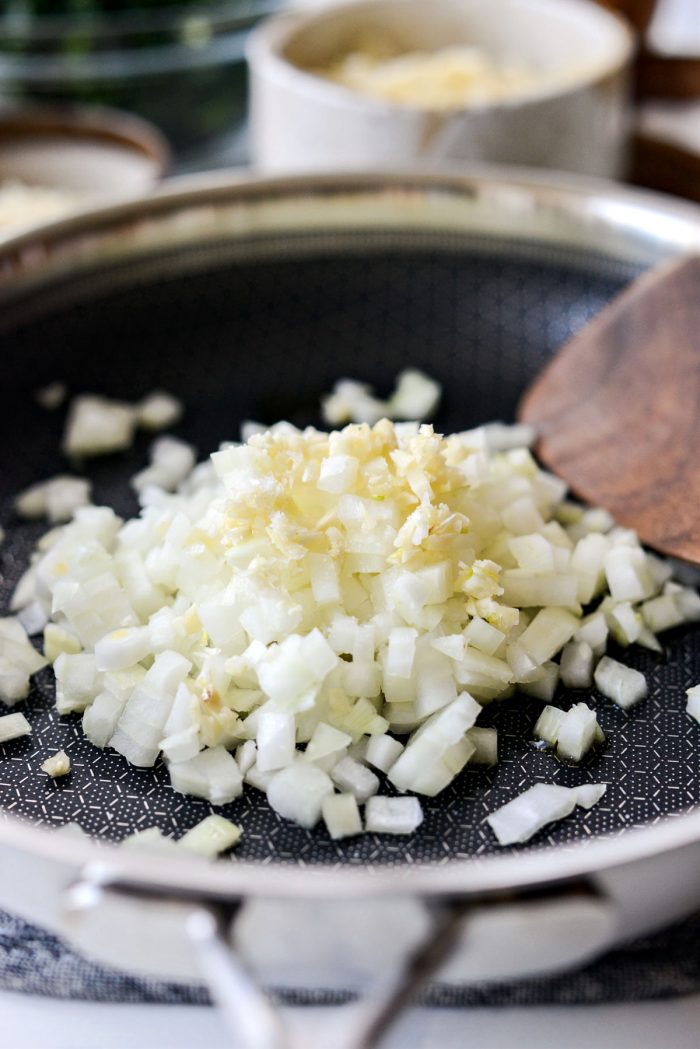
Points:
[665,965]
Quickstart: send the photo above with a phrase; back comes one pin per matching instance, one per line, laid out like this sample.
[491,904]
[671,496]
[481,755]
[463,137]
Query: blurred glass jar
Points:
[180,65]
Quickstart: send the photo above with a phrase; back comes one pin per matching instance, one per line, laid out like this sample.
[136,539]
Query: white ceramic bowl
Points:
[92,153]
[55,161]
[303,122]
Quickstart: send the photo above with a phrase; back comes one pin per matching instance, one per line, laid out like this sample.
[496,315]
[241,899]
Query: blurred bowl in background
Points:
[572,117]
[96,152]
[55,161]
[181,66]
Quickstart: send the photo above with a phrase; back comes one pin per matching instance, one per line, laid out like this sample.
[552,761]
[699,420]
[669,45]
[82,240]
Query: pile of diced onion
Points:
[312,611]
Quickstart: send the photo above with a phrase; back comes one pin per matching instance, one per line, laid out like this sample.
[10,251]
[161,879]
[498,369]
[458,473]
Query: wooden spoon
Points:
[618,409]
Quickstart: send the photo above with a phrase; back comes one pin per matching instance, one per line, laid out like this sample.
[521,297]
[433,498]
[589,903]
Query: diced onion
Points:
[502,438]
[688,601]
[627,575]
[624,685]
[483,636]
[662,612]
[57,765]
[354,778]
[520,819]
[341,815]
[393,815]
[548,724]
[56,499]
[625,623]
[576,665]
[77,681]
[97,426]
[400,652]
[246,755]
[548,632]
[589,794]
[577,732]
[594,632]
[693,706]
[122,648]
[213,774]
[19,660]
[415,397]
[12,726]
[383,751]
[158,410]
[297,597]
[543,683]
[172,461]
[485,742]
[297,792]
[327,746]
[259,780]
[33,618]
[148,838]
[351,401]
[101,717]
[212,836]
[438,750]
[275,740]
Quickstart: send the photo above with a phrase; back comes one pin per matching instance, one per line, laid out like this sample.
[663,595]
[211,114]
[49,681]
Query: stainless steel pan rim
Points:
[638,226]
[144,870]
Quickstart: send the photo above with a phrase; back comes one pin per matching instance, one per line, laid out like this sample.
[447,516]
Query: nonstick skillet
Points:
[248,300]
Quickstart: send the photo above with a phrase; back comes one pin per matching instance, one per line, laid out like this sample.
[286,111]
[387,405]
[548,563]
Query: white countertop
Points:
[34,1023]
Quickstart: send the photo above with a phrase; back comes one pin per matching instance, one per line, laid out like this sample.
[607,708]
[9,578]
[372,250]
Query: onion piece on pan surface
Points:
[520,819]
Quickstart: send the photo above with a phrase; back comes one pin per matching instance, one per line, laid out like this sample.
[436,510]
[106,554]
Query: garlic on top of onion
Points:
[303,599]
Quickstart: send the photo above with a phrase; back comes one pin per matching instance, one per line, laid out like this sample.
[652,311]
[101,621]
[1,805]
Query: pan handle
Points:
[247,1011]
[459,926]
[463,938]
[255,1021]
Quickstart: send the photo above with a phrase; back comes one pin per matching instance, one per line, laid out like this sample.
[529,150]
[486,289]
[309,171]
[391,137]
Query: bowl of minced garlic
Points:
[382,83]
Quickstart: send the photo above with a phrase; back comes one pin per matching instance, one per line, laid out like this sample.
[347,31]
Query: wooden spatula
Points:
[618,409]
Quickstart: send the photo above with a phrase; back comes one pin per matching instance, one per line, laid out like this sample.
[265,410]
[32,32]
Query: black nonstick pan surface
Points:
[260,330]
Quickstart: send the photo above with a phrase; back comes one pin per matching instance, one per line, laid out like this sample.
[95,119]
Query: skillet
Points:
[249,299]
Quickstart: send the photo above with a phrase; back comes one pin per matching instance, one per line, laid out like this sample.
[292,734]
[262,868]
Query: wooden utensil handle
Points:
[617,409]
[665,167]
[638,13]
[673,77]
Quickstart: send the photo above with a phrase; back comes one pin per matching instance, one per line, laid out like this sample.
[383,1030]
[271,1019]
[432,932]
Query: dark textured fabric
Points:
[665,965]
